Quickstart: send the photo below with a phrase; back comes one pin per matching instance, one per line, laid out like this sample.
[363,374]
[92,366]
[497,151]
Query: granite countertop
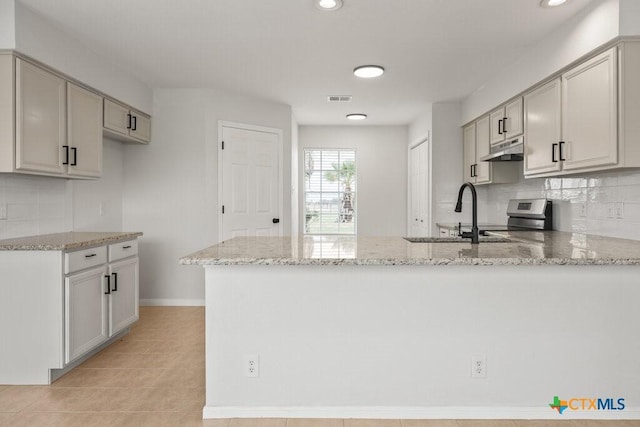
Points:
[526,248]
[65,241]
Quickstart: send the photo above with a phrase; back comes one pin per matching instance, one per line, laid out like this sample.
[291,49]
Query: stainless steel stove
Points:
[524,215]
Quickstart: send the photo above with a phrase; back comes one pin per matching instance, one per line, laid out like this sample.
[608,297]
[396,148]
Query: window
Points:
[330,191]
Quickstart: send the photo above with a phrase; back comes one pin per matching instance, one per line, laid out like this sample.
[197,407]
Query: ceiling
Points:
[290,52]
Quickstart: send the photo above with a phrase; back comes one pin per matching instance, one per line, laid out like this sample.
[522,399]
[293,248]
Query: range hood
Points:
[510,151]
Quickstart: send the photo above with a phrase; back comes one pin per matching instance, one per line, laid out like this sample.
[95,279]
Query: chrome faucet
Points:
[474,226]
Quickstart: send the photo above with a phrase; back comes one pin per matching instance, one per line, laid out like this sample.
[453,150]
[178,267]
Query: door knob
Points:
[276,220]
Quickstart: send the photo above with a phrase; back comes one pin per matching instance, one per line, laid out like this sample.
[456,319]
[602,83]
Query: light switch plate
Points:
[3,211]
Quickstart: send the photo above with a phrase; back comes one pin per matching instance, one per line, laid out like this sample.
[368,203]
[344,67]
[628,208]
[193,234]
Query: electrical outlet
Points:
[101,209]
[618,209]
[3,211]
[611,210]
[478,366]
[251,365]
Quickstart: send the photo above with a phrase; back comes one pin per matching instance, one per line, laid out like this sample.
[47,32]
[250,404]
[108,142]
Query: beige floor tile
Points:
[154,419]
[258,422]
[598,423]
[130,346]
[486,423]
[5,418]
[544,423]
[170,399]
[87,378]
[429,423]
[371,423]
[314,422]
[15,399]
[194,419]
[181,378]
[62,400]
[135,378]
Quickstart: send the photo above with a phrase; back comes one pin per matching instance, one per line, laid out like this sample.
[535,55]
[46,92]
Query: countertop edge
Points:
[408,262]
[115,238]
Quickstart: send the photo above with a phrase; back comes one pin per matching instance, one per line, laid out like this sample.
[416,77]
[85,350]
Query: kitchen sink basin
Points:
[483,239]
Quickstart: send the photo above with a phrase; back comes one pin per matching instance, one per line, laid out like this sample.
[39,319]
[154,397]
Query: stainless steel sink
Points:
[483,239]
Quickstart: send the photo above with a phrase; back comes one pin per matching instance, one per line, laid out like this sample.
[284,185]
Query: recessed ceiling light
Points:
[328,4]
[552,3]
[356,116]
[368,71]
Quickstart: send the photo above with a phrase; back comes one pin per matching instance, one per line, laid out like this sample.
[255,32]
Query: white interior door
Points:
[250,183]
[418,185]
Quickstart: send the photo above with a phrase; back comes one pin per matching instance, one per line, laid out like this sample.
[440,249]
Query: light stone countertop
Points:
[527,248]
[65,241]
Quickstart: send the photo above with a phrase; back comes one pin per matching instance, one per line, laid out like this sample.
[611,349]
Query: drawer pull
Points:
[90,256]
[115,282]
[126,247]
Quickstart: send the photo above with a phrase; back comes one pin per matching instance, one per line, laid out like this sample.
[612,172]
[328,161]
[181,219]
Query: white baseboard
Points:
[427,412]
[172,302]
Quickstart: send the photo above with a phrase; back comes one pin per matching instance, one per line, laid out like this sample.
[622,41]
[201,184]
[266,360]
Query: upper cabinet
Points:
[126,124]
[571,122]
[476,145]
[51,125]
[83,153]
[40,113]
[506,122]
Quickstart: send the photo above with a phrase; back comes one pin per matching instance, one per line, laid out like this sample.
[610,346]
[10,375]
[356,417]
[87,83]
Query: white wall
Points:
[39,38]
[170,190]
[592,27]
[7,24]
[381,162]
[295,170]
[420,127]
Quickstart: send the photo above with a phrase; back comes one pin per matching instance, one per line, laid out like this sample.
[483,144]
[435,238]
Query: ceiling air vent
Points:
[339,98]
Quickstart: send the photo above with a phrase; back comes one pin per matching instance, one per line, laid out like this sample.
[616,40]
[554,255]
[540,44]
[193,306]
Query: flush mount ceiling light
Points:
[552,3]
[356,116]
[328,5]
[368,71]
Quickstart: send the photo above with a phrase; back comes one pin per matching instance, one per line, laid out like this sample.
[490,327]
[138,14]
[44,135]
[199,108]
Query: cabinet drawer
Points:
[86,258]
[123,250]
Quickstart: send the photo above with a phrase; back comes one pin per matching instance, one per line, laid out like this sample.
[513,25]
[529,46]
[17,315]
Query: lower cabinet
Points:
[101,301]
[123,295]
[85,317]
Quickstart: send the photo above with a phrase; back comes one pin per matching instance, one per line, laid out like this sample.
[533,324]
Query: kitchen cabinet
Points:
[102,301]
[40,113]
[123,294]
[571,122]
[506,122]
[475,146]
[83,151]
[69,303]
[51,126]
[126,124]
[85,312]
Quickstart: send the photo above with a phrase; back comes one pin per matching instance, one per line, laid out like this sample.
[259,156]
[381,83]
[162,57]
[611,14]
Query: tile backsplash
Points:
[605,204]
[33,205]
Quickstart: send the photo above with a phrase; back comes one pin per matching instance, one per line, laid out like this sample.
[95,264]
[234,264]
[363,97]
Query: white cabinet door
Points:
[513,119]
[84,119]
[116,117]
[123,307]
[85,312]
[496,126]
[482,169]
[40,119]
[469,138]
[542,129]
[140,126]
[589,113]
[125,122]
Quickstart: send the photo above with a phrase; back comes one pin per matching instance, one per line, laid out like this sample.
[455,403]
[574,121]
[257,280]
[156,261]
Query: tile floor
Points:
[155,377]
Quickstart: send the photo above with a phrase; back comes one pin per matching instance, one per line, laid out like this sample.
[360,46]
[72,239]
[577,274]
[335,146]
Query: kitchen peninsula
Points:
[383,328]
